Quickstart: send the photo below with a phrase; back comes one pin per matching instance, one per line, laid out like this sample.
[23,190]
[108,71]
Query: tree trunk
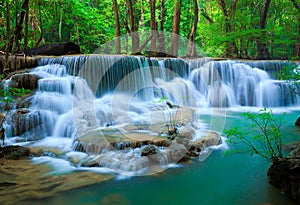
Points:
[161,37]
[26,30]
[191,51]
[19,26]
[231,47]
[297,45]
[262,51]
[133,27]
[175,29]
[153,28]
[60,22]
[117,26]
[8,37]
[41,25]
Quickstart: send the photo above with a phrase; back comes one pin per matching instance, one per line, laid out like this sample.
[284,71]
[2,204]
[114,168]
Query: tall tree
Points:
[8,34]
[117,26]
[161,36]
[191,51]
[175,29]
[133,27]
[153,27]
[17,37]
[297,46]
[229,15]
[262,50]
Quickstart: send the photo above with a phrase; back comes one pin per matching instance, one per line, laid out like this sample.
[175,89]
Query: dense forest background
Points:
[252,29]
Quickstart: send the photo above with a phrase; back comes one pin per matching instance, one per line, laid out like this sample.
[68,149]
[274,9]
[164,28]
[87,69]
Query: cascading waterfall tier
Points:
[216,83]
[95,94]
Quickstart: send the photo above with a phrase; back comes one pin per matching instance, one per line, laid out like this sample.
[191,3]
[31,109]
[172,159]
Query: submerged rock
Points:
[25,182]
[14,152]
[297,123]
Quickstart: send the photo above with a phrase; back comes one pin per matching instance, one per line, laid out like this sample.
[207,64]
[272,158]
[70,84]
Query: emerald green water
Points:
[236,179]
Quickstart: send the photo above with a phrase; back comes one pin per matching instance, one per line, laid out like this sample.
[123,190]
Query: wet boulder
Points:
[14,152]
[24,120]
[284,174]
[176,153]
[24,80]
[211,139]
[59,49]
[149,150]
[98,140]
[153,154]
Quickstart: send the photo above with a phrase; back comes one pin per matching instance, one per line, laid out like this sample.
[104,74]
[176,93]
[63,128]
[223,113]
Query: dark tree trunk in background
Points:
[41,24]
[19,26]
[191,51]
[26,29]
[229,15]
[55,49]
[161,37]
[153,28]
[262,50]
[134,35]
[117,26]
[8,38]
[175,29]
[297,46]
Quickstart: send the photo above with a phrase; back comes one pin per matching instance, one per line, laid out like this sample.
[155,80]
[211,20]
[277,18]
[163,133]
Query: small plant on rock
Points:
[171,122]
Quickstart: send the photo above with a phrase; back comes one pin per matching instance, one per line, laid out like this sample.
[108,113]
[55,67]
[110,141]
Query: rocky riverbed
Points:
[22,180]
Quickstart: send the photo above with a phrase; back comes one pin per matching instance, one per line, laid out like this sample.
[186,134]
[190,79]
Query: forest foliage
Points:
[252,29]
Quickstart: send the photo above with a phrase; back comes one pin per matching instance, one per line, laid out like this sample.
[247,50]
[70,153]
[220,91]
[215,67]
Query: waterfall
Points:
[80,94]
[90,91]
[222,83]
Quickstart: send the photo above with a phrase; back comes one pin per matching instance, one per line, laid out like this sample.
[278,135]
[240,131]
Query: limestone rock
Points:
[18,62]
[14,152]
[24,80]
[24,120]
[153,154]
[176,152]
[149,150]
[96,141]
[211,139]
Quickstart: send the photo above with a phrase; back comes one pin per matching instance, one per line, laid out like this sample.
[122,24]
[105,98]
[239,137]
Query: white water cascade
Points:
[78,94]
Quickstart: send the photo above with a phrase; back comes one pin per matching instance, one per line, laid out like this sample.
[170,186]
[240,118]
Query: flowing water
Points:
[79,94]
[234,179]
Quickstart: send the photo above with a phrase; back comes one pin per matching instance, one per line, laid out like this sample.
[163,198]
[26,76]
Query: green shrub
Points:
[263,137]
